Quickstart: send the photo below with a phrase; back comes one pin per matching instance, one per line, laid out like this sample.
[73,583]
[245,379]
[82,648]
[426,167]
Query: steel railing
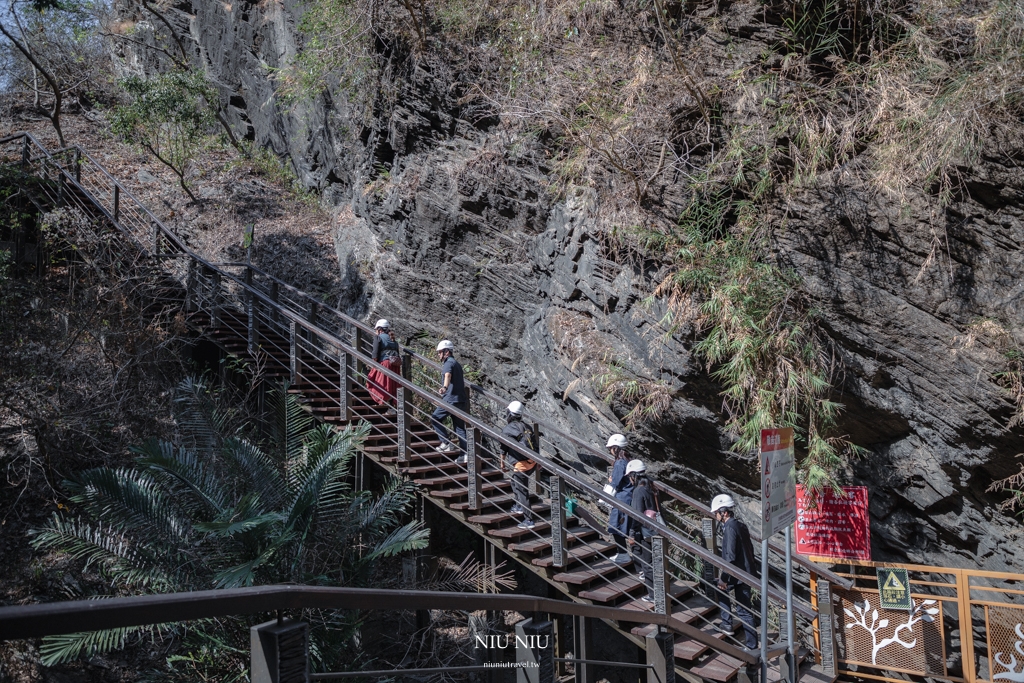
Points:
[327,354]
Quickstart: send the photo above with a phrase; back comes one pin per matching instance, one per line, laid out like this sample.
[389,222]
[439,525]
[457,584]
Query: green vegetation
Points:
[221,508]
[168,116]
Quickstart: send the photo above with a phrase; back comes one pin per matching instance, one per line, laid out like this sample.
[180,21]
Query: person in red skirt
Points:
[386,352]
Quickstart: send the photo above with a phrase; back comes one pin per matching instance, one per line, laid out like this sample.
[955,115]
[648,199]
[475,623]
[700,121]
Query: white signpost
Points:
[778,512]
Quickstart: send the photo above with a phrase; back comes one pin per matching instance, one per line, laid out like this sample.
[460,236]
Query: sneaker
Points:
[516,510]
[462,459]
[723,627]
[621,558]
[526,524]
[445,448]
[640,575]
[648,598]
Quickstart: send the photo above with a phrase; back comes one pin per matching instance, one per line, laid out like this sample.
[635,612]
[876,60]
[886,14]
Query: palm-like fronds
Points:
[64,648]
[221,510]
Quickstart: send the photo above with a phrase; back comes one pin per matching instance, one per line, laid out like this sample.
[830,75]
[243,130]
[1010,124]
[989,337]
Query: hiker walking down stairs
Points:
[738,550]
[622,489]
[387,353]
[522,467]
[645,502]
[453,392]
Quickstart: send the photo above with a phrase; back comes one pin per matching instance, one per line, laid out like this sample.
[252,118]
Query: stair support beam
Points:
[535,653]
[345,385]
[583,641]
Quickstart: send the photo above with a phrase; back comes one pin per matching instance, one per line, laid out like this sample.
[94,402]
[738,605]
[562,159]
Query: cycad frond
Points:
[411,536]
[247,516]
[122,558]
[324,464]
[258,471]
[64,648]
[385,511]
[130,500]
[244,574]
[187,469]
[200,416]
[291,422]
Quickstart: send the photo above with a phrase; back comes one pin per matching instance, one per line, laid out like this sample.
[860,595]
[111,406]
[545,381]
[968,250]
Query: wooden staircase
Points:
[588,576]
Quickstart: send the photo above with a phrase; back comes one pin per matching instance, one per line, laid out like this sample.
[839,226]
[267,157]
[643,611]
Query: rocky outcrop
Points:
[446,225]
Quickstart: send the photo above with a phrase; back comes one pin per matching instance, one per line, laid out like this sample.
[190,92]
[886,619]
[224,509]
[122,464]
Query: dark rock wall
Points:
[445,225]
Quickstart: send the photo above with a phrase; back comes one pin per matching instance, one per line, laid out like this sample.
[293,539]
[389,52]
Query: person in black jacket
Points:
[738,551]
[522,467]
[644,502]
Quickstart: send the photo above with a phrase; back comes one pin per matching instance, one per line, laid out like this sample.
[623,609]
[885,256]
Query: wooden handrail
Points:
[75,616]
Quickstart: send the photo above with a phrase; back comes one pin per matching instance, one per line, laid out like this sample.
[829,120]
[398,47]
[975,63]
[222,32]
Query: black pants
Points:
[437,421]
[743,610]
[521,491]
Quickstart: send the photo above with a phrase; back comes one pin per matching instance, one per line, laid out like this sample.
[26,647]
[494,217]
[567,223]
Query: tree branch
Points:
[54,115]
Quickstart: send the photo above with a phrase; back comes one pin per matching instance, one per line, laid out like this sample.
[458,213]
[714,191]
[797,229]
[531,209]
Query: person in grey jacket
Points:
[737,550]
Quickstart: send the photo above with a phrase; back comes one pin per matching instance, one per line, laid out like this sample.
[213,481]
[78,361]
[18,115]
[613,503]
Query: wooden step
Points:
[458,477]
[614,590]
[574,536]
[495,501]
[504,516]
[579,553]
[689,650]
[539,527]
[461,492]
[589,573]
[718,667]
[681,613]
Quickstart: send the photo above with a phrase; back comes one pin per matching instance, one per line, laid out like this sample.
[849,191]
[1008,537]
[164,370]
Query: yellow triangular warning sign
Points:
[892,583]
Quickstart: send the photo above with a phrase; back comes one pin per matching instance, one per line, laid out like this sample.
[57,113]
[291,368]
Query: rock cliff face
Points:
[446,226]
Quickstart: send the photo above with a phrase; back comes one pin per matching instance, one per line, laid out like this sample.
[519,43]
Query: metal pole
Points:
[764,609]
[790,617]
[117,201]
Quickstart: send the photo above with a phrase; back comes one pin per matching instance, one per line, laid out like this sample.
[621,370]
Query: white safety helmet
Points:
[722,500]
[446,345]
[636,467]
[515,407]
[616,440]
[382,323]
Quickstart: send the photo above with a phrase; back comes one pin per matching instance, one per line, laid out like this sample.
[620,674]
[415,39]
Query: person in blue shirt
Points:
[623,493]
[453,392]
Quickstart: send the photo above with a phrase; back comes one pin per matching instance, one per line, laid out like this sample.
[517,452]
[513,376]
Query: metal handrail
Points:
[546,426]
[300,323]
[75,616]
[542,461]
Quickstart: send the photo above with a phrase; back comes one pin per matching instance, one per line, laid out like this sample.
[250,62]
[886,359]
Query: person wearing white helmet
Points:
[386,352]
[645,502]
[623,491]
[737,550]
[453,392]
[521,465]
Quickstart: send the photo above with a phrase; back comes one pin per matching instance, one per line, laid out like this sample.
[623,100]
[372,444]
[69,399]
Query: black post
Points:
[661,657]
[558,535]
[535,652]
[474,464]
[117,202]
[403,426]
[280,651]
[583,636]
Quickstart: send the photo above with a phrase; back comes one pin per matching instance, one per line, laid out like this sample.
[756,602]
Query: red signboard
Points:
[837,528]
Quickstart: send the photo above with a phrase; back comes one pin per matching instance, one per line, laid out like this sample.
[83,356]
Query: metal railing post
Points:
[558,535]
[78,165]
[661,657]
[60,187]
[583,637]
[293,354]
[407,365]
[357,344]
[963,599]
[215,298]
[190,286]
[475,464]
[250,311]
[280,651]
[24,152]
[707,528]
[534,652]
[156,237]
[274,295]
[403,426]
[658,574]
[117,202]
[824,626]
[345,385]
